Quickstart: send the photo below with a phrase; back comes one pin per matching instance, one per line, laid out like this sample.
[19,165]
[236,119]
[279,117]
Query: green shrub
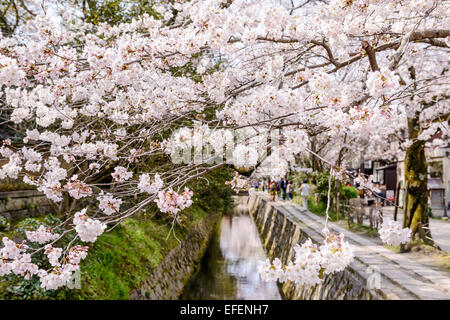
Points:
[51,220]
[27,224]
[31,224]
[321,182]
[4,223]
[348,192]
[211,193]
[317,208]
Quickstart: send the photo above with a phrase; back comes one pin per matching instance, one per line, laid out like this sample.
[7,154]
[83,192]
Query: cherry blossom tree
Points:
[91,101]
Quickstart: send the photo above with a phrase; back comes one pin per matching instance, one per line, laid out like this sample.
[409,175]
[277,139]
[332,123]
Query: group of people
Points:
[285,189]
[283,186]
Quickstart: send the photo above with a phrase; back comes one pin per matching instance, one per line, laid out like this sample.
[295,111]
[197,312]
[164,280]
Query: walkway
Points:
[402,277]
[440,229]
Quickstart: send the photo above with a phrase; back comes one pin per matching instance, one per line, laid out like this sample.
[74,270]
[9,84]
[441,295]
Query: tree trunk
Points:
[416,177]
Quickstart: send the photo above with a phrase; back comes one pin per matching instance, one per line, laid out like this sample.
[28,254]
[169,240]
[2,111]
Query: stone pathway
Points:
[440,229]
[401,277]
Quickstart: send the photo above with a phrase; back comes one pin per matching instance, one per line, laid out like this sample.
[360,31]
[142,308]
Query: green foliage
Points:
[118,262]
[321,182]
[211,193]
[317,208]
[348,192]
[27,224]
[122,259]
[4,223]
[114,12]
[299,177]
[17,288]
[50,220]
[17,229]
[30,224]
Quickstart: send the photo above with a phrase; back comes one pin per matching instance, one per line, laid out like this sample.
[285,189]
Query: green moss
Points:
[359,228]
[118,262]
[319,208]
[122,259]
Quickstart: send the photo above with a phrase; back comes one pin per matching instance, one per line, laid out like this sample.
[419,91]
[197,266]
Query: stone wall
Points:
[169,278]
[15,205]
[279,233]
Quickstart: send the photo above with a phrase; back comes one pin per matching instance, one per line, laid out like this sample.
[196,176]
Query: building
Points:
[384,173]
[391,174]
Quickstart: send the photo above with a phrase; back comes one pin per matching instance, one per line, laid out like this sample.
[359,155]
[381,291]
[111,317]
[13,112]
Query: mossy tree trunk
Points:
[416,177]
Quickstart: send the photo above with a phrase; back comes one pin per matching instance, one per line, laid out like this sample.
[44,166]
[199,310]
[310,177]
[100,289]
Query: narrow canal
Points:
[228,269]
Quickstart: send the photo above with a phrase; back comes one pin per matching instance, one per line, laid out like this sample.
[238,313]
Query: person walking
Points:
[304,192]
[283,188]
[273,188]
[380,193]
[361,193]
[278,188]
[289,191]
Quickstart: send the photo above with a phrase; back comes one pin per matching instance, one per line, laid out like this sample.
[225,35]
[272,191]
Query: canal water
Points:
[228,270]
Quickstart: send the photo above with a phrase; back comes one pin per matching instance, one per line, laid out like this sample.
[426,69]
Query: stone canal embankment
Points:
[375,273]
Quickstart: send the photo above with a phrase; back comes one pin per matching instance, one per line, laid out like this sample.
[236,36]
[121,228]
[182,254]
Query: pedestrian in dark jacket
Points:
[283,188]
[289,191]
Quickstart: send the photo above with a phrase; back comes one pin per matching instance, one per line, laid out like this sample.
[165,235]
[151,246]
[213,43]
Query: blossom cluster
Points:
[41,235]
[382,82]
[173,202]
[15,259]
[88,229]
[237,183]
[364,182]
[151,186]
[63,270]
[392,233]
[78,189]
[245,156]
[311,261]
[108,204]
[121,174]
